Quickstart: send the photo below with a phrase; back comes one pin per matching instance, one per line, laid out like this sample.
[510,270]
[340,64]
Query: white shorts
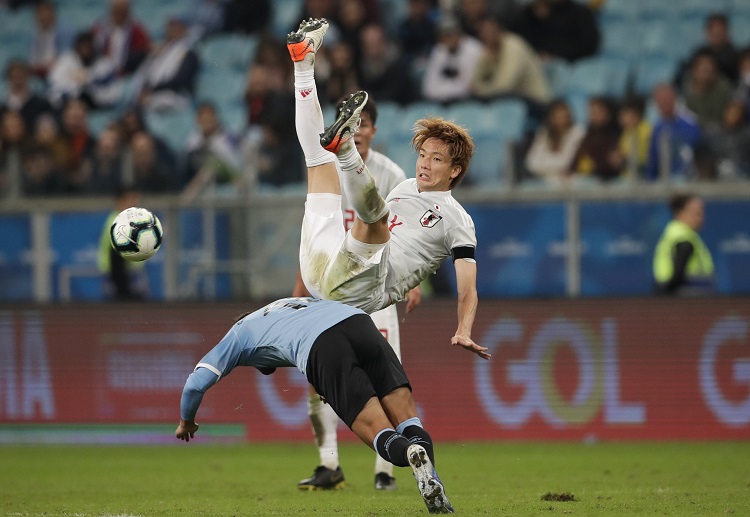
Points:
[387,322]
[331,271]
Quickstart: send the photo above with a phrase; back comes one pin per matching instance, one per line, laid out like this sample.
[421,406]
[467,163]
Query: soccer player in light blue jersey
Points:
[348,362]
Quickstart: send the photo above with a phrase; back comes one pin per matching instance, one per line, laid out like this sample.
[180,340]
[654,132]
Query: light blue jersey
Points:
[280,334]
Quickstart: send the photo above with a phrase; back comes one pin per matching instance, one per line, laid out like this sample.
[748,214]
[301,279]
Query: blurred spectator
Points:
[706,92]
[452,64]
[560,28]
[80,74]
[206,18]
[382,71]
[14,145]
[121,38]
[352,18]
[417,33]
[554,146]
[682,262]
[212,152]
[247,17]
[20,97]
[169,73]
[743,69]
[81,149]
[597,154]
[124,280]
[107,162]
[729,143]
[144,169]
[632,154]
[131,122]
[473,12]
[342,78]
[48,136]
[508,66]
[272,154]
[718,43]
[674,140]
[41,177]
[321,9]
[51,38]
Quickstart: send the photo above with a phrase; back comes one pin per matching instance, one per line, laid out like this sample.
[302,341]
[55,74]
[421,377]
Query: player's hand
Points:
[467,343]
[186,430]
[413,298]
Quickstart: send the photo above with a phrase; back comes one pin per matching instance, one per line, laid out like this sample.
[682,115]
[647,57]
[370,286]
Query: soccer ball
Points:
[136,234]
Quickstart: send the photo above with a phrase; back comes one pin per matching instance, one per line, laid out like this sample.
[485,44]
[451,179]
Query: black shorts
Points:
[352,362]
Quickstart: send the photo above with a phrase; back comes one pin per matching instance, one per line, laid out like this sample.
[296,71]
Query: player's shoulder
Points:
[456,212]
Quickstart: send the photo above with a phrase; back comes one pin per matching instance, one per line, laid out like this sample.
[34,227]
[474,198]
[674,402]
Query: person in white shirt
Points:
[452,63]
[387,176]
[392,246]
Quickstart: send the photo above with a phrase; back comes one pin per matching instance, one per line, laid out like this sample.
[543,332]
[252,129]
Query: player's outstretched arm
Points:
[466,282]
[192,395]
[413,298]
[186,430]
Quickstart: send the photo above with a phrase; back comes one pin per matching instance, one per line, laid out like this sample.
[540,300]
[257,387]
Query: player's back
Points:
[279,334]
[425,227]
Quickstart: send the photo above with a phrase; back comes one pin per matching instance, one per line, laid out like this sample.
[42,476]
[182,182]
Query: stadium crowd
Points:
[187,95]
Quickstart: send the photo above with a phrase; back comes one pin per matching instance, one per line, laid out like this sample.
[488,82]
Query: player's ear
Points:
[456,171]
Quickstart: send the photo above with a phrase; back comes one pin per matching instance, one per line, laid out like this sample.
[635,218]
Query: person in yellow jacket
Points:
[124,280]
[682,262]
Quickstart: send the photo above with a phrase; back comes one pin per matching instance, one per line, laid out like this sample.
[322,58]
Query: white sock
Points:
[324,423]
[309,117]
[359,186]
[381,465]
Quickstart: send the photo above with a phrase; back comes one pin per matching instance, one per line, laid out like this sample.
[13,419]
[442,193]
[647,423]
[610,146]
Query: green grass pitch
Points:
[488,479]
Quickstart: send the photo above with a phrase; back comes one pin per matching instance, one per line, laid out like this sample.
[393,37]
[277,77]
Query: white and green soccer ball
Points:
[136,234]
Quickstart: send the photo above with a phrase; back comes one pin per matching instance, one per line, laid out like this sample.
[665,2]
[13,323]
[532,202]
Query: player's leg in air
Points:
[323,235]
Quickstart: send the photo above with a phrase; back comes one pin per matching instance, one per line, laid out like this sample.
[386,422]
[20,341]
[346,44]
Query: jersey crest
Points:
[430,218]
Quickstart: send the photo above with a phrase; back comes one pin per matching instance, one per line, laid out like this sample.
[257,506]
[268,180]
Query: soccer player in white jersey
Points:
[387,175]
[347,360]
[392,246]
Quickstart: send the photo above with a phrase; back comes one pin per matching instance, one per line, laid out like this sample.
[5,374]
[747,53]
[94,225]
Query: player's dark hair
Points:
[678,201]
[457,138]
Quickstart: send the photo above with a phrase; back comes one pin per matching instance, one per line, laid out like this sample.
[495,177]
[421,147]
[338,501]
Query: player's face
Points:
[434,169]
[364,136]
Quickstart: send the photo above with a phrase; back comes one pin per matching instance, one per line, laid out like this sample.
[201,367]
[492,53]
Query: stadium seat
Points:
[508,116]
[400,151]
[389,116]
[233,115]
[219,85]
[470,115]
[663,38]
[598,76]
[700,9]
[621,39]
[740,29]
[80,16]
[628,10]
[228,51]
[414,112]
[488,161]
[174,126]
[652,70]
[284,16]
[738,8]
[579,107]
[100,119]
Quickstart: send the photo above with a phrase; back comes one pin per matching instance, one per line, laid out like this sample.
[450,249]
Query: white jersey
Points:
[425,227]
[387,176]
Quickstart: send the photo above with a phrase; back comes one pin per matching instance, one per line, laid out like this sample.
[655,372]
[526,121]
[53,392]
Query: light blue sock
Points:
[406,423]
